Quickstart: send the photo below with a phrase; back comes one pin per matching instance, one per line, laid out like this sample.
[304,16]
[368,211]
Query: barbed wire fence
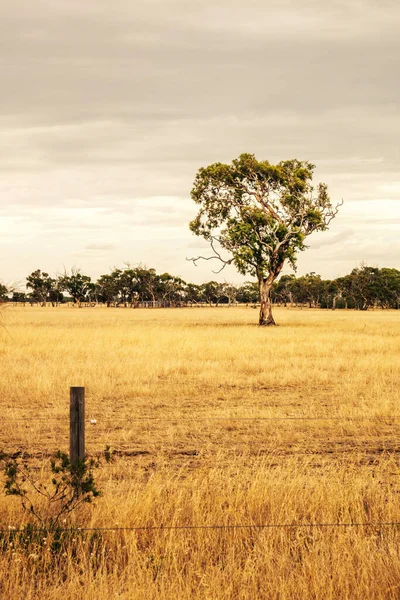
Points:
[233,527]
[78,422]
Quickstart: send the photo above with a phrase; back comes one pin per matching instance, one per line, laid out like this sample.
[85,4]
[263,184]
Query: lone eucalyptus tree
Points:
[260,214]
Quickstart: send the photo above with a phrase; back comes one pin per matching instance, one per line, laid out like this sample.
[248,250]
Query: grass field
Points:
[213,421]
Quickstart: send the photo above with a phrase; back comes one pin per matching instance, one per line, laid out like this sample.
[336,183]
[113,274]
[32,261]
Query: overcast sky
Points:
[107,110]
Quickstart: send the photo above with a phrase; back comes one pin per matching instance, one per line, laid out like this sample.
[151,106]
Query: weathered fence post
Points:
[77,424]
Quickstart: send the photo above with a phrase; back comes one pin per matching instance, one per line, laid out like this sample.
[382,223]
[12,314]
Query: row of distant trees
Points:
[365,287]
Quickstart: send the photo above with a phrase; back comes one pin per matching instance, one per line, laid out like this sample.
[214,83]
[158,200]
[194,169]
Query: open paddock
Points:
[213,421]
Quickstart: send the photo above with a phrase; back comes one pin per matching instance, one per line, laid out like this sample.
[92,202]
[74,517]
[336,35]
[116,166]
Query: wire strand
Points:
[100,420]
[210,527]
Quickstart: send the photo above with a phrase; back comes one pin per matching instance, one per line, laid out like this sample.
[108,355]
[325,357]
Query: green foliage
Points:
[170,288]
[193,293]
[41,285]
[3,292]
[211,292]
[107,288]
[42,544]
[19,297]
[248,292]
[365,287]
[67,486]
[76,284]
[368,286]
[308,289]
[259,213]
[108,454]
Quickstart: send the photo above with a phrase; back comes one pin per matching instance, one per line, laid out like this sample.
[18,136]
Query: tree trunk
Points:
[266,317]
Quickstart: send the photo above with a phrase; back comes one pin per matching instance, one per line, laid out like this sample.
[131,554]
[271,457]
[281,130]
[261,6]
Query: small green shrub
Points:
[50,502]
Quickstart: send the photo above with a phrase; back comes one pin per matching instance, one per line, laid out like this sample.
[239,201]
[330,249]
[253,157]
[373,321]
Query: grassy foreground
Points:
[213,422]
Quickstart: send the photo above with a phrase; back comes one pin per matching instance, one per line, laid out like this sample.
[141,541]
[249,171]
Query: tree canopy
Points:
[365,287]
[260,214]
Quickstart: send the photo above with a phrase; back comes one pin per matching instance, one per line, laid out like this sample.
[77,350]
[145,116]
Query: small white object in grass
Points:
[93,421]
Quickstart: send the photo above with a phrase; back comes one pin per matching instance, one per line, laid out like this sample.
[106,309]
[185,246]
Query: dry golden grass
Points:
[214,421]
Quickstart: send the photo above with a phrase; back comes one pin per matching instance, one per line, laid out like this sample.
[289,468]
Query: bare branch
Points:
[216,255]
[334,212]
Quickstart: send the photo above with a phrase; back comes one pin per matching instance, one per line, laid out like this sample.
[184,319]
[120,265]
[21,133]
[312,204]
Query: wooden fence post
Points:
[77,424]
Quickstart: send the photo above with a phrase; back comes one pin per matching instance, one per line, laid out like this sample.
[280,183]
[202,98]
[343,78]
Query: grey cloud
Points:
[198,244]
[76,63]
[356,253]
[166,86]
[332,240]
[105,108]
[387,221]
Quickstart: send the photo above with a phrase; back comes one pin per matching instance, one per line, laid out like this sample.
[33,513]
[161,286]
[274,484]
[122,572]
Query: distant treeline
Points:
[365,287]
